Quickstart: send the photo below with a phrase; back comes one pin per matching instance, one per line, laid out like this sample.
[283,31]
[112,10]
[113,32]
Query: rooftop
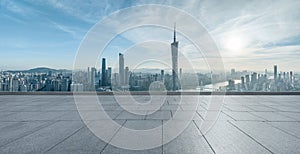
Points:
[246,124]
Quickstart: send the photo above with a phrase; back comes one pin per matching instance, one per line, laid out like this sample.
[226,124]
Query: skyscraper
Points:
[88,76]
[92,76]
[253,80]
[243,82]
[121,69]
[291,76]
[247,77]
[103,73]
[126,75]
[162,75]
[180,73]
[174,48]
[232,72]
[64,85]
[275,73]
[108,76]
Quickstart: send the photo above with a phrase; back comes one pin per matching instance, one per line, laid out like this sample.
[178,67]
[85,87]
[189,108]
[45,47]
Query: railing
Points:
[152,93]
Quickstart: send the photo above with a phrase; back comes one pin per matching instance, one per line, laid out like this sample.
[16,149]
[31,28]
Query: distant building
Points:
[103,73]
[232,73]
[243,83]
[126,76]
[92,76]
[15,84]
[109,76]
[121,69]
[64,85]
[247,82]
[275,73]
[23,88]
[76,87]
[253,80]
[180,73]
[231,85]
[291,76]
[162,75]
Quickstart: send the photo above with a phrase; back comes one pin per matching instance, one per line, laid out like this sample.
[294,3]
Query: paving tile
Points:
[137,139]
[83,141]
[110,149]
[270,137]
[287,108]
[32,116]
[272,116]
[213,115]
[43,139]
[244,116]
[170,107]
[160,115]
[261,108]
[124,115]
[292,115]
[186,115]
[247,124]
[189,141]
[237,108]
[225,138]
[288,127]
[11,131]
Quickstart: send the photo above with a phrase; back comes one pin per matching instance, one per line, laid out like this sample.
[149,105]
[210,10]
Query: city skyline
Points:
[125,79]
[36,34]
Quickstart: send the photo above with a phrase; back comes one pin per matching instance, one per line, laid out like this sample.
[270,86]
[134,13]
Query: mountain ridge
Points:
[40,70]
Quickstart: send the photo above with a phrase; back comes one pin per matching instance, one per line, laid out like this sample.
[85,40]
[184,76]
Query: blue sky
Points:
[250,35]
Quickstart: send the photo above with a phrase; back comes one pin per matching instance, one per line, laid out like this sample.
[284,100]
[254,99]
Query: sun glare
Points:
[234,43]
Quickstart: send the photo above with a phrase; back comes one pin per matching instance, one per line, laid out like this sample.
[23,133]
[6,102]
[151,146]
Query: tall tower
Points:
[103,73]
[174,49]
[121,69]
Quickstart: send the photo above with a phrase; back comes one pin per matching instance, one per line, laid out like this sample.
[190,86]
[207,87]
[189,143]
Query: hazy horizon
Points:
[151,70]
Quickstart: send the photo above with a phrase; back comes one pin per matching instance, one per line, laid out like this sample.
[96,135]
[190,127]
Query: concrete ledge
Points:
[152,93]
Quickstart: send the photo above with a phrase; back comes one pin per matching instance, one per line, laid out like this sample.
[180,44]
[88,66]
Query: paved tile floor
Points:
[246,124]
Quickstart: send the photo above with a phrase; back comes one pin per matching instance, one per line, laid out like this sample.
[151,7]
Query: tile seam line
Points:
[162,136]
[113,137]
[38,129]
[250,137]
[269,123]
[80,128]
[229,116]
[210,146]
[29,133]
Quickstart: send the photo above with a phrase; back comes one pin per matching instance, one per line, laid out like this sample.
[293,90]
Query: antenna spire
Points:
[175,32]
